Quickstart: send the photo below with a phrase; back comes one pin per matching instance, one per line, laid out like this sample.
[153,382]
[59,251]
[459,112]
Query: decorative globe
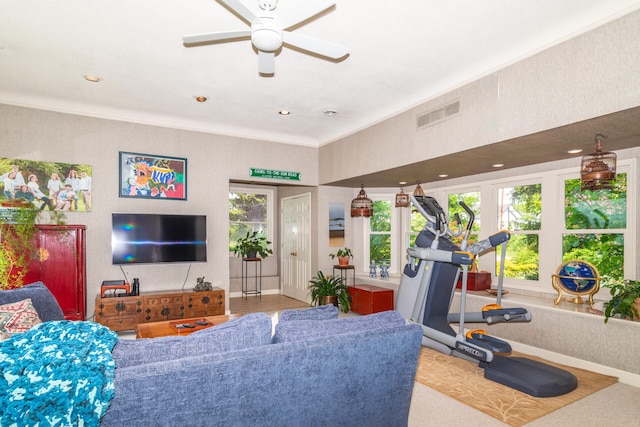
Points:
[578,276]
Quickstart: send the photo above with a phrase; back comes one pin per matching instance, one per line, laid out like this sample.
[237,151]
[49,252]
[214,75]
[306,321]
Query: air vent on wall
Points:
[438,115]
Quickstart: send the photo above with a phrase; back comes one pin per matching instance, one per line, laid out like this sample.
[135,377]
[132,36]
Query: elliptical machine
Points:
[426,292]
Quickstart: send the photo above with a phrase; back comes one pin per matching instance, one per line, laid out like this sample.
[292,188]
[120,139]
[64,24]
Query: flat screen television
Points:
[158,238]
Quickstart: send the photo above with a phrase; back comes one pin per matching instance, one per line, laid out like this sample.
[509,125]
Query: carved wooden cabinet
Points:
[59,262]
[208,303]
[163,307]
[119,313]
[123,313]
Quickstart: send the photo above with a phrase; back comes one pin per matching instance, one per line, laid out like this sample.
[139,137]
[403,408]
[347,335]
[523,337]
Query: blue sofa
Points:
[315,370]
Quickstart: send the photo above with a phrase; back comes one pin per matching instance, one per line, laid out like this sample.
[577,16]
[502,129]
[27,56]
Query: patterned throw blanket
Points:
[59,373]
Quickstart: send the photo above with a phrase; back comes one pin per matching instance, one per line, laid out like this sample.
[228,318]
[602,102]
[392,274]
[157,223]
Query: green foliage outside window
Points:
[247,213]
[520,212]
[593,211]
[380,234]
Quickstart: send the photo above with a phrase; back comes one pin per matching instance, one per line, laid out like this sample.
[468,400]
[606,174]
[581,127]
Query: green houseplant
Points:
[18,226]
[343,255]
[330,290]
[625,299]
[252,245]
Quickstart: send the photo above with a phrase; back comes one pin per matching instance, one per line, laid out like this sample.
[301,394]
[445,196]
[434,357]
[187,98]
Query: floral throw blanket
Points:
[58,373]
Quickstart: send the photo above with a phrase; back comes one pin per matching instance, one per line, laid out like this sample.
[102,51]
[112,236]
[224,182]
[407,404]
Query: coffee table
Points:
[164,329]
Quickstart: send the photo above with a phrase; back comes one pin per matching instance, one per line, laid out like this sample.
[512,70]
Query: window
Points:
[250,209]
[594,226]
[382,234]
[550,221]
[520,212]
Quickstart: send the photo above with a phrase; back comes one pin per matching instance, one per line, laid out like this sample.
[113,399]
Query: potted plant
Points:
[330,290]
[625,299]
[252,245]
[343,256]
[17,231]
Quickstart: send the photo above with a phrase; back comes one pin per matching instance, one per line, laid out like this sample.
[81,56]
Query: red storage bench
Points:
[476,281]
[367,299]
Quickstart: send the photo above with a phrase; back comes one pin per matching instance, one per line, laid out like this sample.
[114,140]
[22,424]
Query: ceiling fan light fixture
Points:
[598,170]
[361,206]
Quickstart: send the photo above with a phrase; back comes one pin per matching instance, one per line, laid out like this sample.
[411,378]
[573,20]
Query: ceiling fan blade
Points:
[302,12]
[214,37]
[242,10]
[311,44]
[266,62]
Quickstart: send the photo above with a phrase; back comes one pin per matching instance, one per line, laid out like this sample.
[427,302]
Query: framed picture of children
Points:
[46,185]
[153,177]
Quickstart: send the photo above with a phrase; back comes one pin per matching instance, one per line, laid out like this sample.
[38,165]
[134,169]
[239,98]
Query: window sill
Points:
[512,297]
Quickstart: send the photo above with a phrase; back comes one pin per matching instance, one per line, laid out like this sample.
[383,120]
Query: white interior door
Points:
[296,246]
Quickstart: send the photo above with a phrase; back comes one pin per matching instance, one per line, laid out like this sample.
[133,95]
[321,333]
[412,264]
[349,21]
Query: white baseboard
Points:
[264,292]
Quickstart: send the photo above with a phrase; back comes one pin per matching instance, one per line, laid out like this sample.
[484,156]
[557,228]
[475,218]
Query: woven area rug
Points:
[464,381]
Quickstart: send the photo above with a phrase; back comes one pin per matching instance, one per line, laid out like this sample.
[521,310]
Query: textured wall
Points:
[582,78]
[213,161]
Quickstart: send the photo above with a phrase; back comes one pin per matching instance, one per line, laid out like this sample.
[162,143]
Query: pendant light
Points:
[598,170]
[402,199]
[418,191]
[361,206]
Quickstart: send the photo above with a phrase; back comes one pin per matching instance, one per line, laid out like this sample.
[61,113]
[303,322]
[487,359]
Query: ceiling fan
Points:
[268,31]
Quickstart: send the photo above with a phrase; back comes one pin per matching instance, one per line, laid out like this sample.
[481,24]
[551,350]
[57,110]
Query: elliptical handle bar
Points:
[472,216]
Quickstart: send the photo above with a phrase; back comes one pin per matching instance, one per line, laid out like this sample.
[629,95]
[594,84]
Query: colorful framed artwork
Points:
[153,177]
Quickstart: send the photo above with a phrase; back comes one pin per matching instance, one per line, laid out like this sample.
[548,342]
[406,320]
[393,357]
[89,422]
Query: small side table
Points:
[344,272]
[257,291]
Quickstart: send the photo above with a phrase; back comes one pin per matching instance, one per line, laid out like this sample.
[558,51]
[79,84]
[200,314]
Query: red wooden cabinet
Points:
[59,262]
[367,299]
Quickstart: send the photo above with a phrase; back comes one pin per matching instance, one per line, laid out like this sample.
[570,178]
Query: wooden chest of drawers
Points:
[164,307]
[367,299]
[119,313]
[205,303]
[123,313]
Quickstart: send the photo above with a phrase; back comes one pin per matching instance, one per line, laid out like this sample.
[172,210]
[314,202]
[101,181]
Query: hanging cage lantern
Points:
[361,206]
[598,170]
[402,199]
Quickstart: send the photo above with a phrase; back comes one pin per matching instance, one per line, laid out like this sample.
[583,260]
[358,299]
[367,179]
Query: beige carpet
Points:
[464,381]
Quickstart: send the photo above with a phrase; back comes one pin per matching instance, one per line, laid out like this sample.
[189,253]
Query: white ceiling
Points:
[402,54]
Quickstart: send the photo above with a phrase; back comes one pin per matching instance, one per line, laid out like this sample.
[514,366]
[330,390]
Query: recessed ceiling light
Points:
[91,78]
[201,98]
[330,112]
[497,165]
[402,182]
[575,151]
[284,112]
[443,175]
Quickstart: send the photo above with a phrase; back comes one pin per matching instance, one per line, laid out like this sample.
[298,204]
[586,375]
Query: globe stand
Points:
[578,278]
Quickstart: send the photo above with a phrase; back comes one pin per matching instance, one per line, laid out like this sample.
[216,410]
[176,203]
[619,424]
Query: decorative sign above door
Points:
[274,174]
